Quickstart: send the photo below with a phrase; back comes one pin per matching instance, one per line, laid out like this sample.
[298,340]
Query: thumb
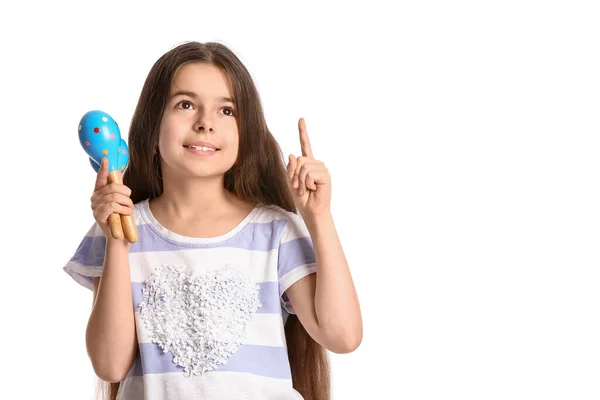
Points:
[102,177]
[291,167]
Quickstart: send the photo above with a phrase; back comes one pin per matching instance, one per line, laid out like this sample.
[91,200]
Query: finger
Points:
[98,197]
[111,208]
[310,180]
[102,177]
[304,140]
[115,198]
[305,169]
[106,210]
[307,174]
[291,167]
[300,161]
[114,188]
[316,176]
[295,180]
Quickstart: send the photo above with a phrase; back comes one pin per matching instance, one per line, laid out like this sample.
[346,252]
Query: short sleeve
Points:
[88,260]
[296,257]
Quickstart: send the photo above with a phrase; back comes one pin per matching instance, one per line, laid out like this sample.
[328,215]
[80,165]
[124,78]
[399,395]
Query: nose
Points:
[204,123]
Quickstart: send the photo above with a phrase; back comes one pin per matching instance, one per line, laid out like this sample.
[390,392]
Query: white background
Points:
[462,139]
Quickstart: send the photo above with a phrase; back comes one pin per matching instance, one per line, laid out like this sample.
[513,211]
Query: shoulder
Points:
[140,205]
[291,224]
[140,212]
[273,212]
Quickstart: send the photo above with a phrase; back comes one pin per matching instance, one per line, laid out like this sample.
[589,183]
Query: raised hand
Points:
[309,179]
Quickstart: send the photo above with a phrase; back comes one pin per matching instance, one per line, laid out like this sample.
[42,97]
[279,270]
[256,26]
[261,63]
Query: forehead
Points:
[204,79]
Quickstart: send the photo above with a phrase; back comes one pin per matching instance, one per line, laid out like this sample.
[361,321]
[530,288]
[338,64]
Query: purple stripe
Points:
[270,361]
[268,294]
[295,253]
[90,251]
[136,369]
[254,236]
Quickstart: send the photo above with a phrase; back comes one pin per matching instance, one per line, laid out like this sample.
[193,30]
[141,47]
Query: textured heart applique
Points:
[201,320]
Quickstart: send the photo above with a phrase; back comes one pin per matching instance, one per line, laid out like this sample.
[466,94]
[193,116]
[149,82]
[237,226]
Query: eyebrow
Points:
[195,96]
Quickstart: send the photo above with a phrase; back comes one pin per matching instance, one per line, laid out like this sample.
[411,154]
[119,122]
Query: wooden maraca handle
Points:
[129,228]
[118,223]
[114,223]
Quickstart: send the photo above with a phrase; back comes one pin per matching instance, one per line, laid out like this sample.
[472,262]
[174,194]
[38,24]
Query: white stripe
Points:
[222,385]
[295,227]
[73,268]
[203,260]
[262,329]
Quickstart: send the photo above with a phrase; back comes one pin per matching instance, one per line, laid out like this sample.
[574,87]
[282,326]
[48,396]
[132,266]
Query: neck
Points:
[194,197]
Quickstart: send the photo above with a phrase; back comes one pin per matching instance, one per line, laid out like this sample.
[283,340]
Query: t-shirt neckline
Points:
[175,237]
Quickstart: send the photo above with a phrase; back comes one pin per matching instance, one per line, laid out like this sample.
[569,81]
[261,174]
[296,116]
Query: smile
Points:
[201,151]
[203,148]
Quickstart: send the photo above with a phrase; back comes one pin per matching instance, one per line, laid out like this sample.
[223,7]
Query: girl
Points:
[235,295]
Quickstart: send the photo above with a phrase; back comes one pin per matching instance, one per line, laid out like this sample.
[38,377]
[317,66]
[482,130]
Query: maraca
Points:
[100,137]
[123,158]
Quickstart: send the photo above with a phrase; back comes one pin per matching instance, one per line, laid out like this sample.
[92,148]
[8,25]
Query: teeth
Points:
[201,148]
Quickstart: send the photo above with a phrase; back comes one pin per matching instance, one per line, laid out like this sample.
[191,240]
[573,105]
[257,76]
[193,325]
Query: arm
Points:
[110,336]
[326,303]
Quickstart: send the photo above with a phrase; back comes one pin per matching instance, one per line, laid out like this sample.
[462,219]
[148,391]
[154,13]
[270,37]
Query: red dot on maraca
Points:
[112,136]
[96,130]
[87,143]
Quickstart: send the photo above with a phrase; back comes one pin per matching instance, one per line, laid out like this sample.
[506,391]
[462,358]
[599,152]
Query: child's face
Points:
[199,114]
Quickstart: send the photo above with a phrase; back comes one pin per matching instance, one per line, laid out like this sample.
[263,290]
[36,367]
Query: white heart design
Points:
[201,320]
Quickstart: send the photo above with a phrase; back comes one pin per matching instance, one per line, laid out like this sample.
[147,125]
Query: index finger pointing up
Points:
[304,141]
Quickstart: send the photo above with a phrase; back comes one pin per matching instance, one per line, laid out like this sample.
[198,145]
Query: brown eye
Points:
[183,103]
[230,110]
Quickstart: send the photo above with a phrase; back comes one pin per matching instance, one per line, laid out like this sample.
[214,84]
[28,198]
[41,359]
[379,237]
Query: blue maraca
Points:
[123,158]
[100,137]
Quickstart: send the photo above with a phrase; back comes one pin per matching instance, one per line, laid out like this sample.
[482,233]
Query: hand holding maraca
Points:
[100,137]
[110,199]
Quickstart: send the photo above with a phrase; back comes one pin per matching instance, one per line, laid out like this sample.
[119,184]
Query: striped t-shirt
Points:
[209,312]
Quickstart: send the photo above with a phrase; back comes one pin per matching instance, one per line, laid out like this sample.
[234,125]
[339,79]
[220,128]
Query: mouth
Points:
[201,148]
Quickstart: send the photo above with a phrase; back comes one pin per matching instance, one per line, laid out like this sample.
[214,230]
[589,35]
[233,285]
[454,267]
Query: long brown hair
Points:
[258,175]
